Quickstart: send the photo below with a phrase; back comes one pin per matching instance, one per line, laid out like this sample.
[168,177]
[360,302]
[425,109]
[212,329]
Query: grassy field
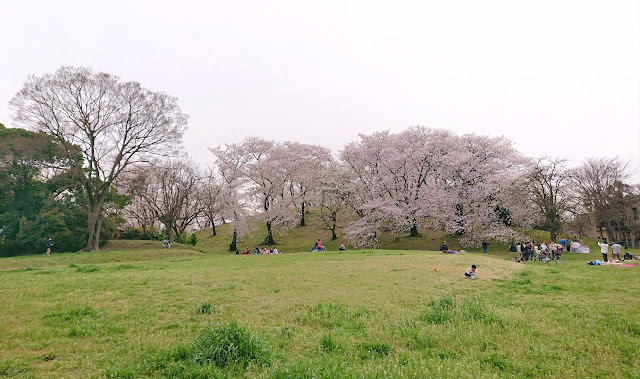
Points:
[148,312]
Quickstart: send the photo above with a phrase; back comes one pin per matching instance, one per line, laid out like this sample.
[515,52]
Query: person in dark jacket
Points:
[484,246]
[49,244]
[444,248]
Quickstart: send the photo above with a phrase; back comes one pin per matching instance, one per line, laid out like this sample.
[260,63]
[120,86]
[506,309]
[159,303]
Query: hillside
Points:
[301,239]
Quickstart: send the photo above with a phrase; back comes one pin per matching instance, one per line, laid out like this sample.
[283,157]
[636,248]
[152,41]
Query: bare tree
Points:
[116,124]
[549,190]
[172,194]
[594,182]
[139,211]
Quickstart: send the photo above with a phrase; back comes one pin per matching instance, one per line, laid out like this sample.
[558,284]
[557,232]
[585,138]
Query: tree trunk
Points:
[414,231]
[169,232]
[94,223]
[553,235]
[233,247]
[179,235]
[213,230]
[333,230]
[269,240]
[302,223]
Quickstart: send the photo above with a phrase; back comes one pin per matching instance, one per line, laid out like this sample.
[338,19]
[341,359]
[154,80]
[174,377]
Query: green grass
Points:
[374,313]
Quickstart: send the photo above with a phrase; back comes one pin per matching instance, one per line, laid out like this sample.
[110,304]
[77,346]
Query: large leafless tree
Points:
[549,190]
[116,124]
[595,182]
[172,193]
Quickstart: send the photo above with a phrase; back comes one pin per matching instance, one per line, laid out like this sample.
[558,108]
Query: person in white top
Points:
[604,249]
[615,250]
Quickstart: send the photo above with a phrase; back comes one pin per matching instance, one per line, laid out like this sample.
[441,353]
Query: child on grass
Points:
[470,272]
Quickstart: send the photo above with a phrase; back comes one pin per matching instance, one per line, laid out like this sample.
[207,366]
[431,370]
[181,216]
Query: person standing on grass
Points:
[484,246]
[49,244]
[604,249]
[615,250]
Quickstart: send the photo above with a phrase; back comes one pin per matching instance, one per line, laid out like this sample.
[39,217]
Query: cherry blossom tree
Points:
[261,166]
[396,178]
[116,124]
[421,176]
[303,164]
[476,178]
[332,191]
[230,162]
[213,203]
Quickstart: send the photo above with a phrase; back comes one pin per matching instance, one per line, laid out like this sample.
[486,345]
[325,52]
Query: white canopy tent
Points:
[577,247]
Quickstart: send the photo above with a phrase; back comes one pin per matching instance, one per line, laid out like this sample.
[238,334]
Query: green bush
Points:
[193,240]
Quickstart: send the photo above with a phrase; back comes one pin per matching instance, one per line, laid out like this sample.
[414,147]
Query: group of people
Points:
[615,250]
[529,250]
[258,251]
[317,246]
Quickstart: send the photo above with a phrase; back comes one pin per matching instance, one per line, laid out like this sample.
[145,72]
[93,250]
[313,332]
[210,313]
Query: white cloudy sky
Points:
[559,78]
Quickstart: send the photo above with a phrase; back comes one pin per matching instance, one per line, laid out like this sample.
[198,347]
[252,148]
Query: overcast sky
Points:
[559,78]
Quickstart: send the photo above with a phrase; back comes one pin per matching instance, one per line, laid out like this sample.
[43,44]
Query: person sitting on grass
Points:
[470,272]
[341,247]
[444,248]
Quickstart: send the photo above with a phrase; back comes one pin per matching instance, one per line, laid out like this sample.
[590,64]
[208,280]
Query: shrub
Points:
[193,240]
[230,344]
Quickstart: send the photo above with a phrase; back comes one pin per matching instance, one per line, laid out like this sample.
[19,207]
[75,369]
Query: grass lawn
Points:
[148,312]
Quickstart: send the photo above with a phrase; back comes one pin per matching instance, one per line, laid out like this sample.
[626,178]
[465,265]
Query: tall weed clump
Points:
[230,345]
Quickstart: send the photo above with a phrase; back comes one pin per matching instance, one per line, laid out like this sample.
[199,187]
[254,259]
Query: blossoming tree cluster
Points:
[396,182]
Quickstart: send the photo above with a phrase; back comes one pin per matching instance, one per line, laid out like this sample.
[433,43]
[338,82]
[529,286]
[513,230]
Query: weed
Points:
[328,344]
[48,357]
[127,266]
[88,268]
[205,308]
[374,349]
[287,332]
[440,312]
[497,361]
[230,344]
[328,315]
[441,354]
[73,314]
